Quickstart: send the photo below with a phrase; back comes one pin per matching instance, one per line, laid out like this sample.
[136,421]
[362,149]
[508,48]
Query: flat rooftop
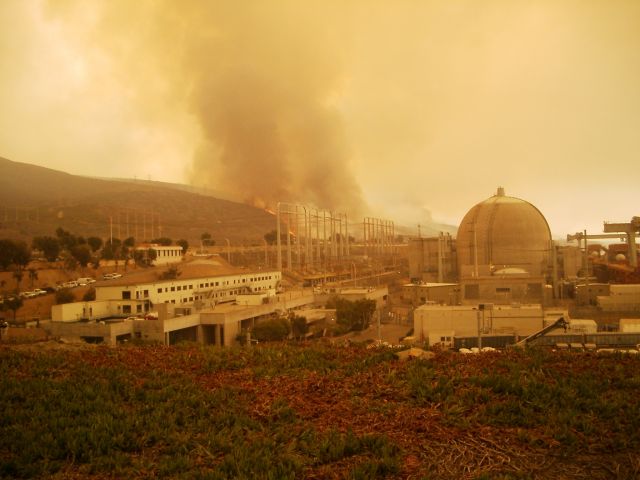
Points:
[190,269]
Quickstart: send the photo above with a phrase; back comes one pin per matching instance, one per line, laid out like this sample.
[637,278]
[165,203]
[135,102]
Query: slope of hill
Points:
[36,200]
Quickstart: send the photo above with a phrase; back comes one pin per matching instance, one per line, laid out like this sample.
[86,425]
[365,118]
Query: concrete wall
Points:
[504,290]
[107,331]
[72,312]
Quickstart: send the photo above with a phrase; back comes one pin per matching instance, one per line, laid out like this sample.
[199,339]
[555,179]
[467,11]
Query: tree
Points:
[82,254]
[21,254]
[111,249]
[7,250]
[89,295]
[129,242]
[67,239]
[299,326]
[352,316]
[64,295]
[18,273]
[271,330]
[33,275]
[95,243]
[13,303]
[206,239]
[49,246]
[145,258]
[184,244]
[164,241]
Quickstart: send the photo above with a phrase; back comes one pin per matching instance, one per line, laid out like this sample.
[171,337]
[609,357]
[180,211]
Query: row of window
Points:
[202,297]
[169,253]
[178,288]
[126,295]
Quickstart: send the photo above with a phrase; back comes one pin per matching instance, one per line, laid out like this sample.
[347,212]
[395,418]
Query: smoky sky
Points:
[399,109]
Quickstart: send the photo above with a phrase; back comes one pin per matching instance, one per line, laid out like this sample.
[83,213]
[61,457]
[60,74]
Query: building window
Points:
[159,290]
[126,309]
[146,293]
[126,295]
[139,308]
[173,289]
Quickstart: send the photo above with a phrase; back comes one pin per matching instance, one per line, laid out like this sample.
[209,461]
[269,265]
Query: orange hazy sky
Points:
[407,110]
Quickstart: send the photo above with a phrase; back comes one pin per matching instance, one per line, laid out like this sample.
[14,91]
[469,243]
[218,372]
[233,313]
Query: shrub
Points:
[64,295]
[271,330]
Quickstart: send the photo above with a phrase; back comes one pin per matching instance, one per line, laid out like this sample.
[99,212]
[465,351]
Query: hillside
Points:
[36,200]
[315,411]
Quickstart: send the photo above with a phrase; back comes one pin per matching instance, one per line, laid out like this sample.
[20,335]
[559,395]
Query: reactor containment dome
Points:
[501,233]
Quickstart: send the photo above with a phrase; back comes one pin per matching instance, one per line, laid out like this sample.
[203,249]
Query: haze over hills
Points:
[36,200]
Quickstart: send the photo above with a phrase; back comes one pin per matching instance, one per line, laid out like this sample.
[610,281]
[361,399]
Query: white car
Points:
[39,291]
[111,276]
[85,281]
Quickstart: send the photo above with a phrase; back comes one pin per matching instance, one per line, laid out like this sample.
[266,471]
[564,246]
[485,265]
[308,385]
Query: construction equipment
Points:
[560,323]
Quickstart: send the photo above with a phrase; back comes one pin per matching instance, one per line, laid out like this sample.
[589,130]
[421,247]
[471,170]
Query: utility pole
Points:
[440,249]
[278,242]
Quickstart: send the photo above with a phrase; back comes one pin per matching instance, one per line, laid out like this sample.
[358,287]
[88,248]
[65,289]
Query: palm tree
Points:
[18,274]
[33,275]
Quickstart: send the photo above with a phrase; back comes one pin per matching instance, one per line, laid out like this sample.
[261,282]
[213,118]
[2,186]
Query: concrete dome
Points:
[504,232]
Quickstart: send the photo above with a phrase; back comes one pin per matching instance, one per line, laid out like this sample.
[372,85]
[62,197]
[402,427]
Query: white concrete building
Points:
[435,321]
[200,283]
[164,254]
[621,298]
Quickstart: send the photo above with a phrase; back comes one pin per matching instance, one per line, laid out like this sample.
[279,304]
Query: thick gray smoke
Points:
[259,78]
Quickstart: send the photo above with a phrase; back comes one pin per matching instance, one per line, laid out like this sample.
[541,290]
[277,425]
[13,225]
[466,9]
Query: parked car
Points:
[85,281]
[111,276]
[39,291]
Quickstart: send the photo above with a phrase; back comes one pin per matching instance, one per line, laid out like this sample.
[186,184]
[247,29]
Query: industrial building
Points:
[206,300]
[503,253]
[440,325]
[201,282]
[164,254]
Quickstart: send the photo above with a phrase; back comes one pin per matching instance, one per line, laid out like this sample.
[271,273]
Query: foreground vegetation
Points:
[289,411]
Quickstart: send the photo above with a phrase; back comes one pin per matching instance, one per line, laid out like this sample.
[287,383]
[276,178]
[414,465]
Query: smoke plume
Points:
[259,78]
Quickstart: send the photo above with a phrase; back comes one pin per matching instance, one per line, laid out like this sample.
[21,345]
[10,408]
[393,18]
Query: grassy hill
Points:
[315,411]
[36,200]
